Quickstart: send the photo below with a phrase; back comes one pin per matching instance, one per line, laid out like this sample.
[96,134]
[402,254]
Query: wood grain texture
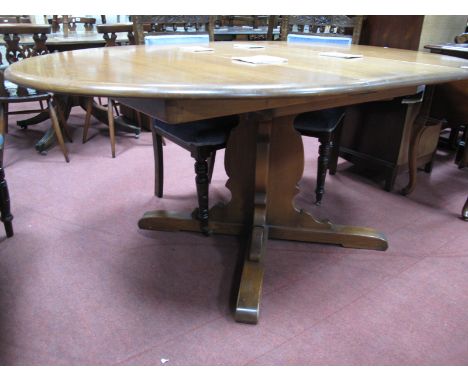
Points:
[171,73]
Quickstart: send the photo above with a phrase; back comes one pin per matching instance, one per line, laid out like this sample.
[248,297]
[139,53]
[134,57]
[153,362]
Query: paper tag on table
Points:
[340,55]
[196,49]
[261,59]
[248,46]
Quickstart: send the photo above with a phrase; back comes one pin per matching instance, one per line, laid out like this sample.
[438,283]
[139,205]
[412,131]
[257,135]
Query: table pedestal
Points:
[264,162]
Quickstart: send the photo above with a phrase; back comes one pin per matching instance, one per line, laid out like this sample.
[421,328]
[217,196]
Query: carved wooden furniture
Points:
[71,21]
[264,157]
[201,138]
[377,136]
[5,214]
[325,125]
[241,27]
[449,103]
[462,151]
[11,93]
[16,19]
[332,26]
[392,31]
[111,32]
[181,23]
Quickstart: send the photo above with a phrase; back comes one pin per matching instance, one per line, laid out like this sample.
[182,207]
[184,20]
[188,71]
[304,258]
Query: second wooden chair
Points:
[322,124]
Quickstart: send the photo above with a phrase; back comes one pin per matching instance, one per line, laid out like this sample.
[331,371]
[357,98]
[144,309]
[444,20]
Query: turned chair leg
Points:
[335,148]
[322,167]
[158,163]
[3,118]
[57,130]
[211,163]
[89,107]
[5,215]
[201,179]
[110,118]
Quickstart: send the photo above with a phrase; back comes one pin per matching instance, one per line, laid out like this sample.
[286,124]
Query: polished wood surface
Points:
[24,28]
[264,157]
[456,50]
[172,73]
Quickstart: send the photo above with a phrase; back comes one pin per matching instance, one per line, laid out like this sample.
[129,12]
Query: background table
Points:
[449,49]
[264,157]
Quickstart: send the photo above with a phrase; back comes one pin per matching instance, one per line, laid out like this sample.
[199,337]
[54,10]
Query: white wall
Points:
[441,29]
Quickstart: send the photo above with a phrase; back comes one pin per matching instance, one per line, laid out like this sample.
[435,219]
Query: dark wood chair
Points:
[202,138]
[461,158]
[72,23]
[449,105]
[329,26]
[110,34]
[322,124]
[12,93]
[5,215]
[179,24]
[271,22]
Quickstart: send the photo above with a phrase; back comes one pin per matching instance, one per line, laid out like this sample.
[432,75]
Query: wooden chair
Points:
[461,158]
[449,105]
[72,22]
[17,19]
[175,24]
[11,93]
[5,215]
[330,26]
[322,124]
[256,21]
[110,34]
[202,138]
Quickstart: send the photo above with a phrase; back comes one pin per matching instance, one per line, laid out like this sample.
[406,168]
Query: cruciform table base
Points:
[264,161]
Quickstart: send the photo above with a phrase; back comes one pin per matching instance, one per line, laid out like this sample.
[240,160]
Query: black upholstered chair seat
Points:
[211,133]
[321,121]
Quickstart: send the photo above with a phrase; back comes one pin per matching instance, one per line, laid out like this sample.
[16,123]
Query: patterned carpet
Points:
[80,284]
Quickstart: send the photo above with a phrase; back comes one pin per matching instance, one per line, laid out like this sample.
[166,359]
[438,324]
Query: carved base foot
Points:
[250,290]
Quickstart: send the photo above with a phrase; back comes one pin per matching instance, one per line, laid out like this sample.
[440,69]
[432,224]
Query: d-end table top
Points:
[171,72]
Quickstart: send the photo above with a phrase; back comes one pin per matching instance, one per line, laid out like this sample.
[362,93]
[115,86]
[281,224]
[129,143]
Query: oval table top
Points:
[173,72]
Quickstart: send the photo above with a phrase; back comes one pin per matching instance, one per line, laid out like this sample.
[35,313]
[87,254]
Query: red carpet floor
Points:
[80,284]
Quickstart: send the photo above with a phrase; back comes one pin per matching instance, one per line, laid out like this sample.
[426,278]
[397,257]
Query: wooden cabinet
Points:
[402,32]
[376,136]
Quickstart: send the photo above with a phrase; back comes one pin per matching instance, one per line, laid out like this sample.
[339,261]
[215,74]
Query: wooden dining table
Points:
[68,41]
[264,158]
[449,49]
[72,40]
